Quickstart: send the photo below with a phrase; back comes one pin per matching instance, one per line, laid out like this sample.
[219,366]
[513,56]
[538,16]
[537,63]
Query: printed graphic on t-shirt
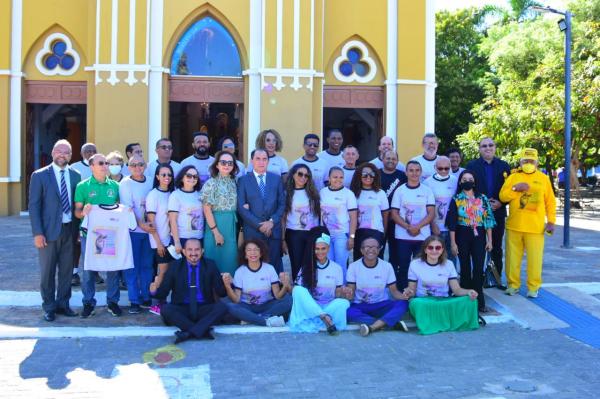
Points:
[329,215]
[304,217]
[530,200]
[368,294]
[104,241]
[413,213]
[435,289]
[441,208]
[196,220]
[365,216]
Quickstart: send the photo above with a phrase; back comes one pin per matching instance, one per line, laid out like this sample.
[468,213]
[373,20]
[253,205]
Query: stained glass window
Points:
[353,64]
[206,49]
[59,57]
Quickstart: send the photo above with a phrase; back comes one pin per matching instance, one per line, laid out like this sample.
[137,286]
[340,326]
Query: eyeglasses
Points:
[370,247]
[191,176]
[487,145]
[228,145]
[443,168]
[137,165]
[166,147]
[165,175]
[314,145]
[101,163]
[368,174]
[223,162]
[434,247]
[303,175]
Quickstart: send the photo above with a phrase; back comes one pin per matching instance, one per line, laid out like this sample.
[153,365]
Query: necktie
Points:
[261,185]
[193,293]
[64,195]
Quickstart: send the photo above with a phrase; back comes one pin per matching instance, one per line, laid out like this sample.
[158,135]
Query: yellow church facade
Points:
[115,72]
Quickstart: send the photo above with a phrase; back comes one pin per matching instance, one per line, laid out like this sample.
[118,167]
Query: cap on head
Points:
[529,153]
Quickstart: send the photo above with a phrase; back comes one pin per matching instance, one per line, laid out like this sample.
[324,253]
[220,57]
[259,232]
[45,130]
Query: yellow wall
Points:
[411,39]
[5,34]
[4,109]
[411,120]
[10,198]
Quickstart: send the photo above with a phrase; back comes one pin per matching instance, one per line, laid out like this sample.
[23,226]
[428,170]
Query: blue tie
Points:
[64,195]
[261,185]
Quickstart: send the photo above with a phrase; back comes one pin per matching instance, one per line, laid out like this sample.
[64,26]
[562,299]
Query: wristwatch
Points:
[352,236]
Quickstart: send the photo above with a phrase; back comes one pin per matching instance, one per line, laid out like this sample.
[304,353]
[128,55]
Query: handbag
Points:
[491,277]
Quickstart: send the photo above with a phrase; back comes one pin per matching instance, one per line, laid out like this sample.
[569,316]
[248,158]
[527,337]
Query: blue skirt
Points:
[306,311]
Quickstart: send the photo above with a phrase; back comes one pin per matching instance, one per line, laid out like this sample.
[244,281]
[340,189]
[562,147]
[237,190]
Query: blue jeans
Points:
[258,314]
[445,235]
[88,284]
[405,251]
[338,252]
[139,278]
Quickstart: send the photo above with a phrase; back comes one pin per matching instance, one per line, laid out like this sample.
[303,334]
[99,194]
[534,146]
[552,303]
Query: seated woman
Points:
[429,278]
[256,295]
[318,301]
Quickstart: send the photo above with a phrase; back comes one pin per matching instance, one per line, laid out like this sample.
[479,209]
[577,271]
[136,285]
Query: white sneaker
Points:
[275,321]
[364,330]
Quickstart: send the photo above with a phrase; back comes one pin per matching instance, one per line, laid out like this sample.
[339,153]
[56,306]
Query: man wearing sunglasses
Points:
[97,190]
[443,185]
[164,151]
[490,173]
[318,166]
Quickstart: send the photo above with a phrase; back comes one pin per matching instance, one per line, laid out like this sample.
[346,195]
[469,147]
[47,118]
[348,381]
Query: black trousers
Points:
[471,252]
[296,241]
[497,241]
[56,265]
[206,316]
[361,235]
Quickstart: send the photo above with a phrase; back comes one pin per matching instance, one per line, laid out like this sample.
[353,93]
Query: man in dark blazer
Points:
[51,193]
[490,173]
[193,317]
[261,210]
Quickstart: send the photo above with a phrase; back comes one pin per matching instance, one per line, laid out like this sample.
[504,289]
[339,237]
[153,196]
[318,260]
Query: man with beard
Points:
[201,160]
[385,144]
[427,159]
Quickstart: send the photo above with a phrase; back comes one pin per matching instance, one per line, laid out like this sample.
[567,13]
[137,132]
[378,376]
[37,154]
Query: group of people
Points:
[211,232]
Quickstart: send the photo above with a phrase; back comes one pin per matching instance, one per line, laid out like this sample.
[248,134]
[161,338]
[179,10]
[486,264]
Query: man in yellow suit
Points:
[532,209]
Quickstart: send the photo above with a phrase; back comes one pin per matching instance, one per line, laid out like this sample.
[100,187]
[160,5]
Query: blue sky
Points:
[454,4]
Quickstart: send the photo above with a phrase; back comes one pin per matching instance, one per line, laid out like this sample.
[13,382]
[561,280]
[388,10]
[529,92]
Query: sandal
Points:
[481,321]
[331,328]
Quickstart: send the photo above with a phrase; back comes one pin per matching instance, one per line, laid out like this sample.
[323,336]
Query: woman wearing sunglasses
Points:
[302,211]
[470,221]
[219,200]
[186,217]
[227,144]
[157,212]
[373,206]
[431,276]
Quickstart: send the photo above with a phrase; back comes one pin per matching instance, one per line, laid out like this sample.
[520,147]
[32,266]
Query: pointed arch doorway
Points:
[206,88]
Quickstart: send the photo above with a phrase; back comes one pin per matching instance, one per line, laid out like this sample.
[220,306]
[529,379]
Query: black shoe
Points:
[114,309]
[68,312]
[182,336]
[123,286]
[134,309]
[99,279]
[75,281]
[88,310]
[501,287]
[49,316]
[146,304]
[208,335]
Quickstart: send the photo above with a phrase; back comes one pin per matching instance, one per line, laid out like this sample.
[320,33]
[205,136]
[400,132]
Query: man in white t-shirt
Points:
[318,167]
[350,155]
[164,151]
[386,144]
[367,280]
[413,209]
[333,154]
[131,149]
[455,157]
[443,185]
[201,160]
[427,159]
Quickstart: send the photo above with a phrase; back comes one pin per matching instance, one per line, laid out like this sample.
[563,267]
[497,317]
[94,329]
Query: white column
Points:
[14,127]
[254,78]
[155,78]
[430,67]
[391,93]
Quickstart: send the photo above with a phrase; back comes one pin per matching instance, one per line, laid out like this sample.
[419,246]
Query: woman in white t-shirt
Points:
[271,141]
[302,211]
[431,276]
[254,294]
[373,206]
[157,212]
[186,216]
[339,215]
[319,293]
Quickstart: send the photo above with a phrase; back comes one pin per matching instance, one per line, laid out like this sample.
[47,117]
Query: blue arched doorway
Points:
[206,88]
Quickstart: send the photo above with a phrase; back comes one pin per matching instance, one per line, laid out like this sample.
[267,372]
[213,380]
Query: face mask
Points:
[528,168]
[114,169]
[467,185]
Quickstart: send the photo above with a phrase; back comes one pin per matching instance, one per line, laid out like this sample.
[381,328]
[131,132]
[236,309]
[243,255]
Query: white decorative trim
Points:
[312,34]
[155,77]
[4,71]
[365,57]
[256,62]
[416,82]
[46,48]
[391,93]
[114,41]
[296,83]
[97,61]
[280,73]
[145,80]
[430,65]
[15,111]
[130,76]
[279,54]
[8,179]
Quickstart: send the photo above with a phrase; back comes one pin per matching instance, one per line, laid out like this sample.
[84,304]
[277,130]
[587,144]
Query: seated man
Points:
[195,285]
[367,280]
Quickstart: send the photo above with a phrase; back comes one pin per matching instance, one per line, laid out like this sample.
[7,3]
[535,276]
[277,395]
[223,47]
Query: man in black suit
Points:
[490,173]
[53,223]
[261,202]
[196,286]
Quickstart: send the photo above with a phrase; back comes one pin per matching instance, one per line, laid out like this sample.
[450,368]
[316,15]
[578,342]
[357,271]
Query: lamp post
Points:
[565,26]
